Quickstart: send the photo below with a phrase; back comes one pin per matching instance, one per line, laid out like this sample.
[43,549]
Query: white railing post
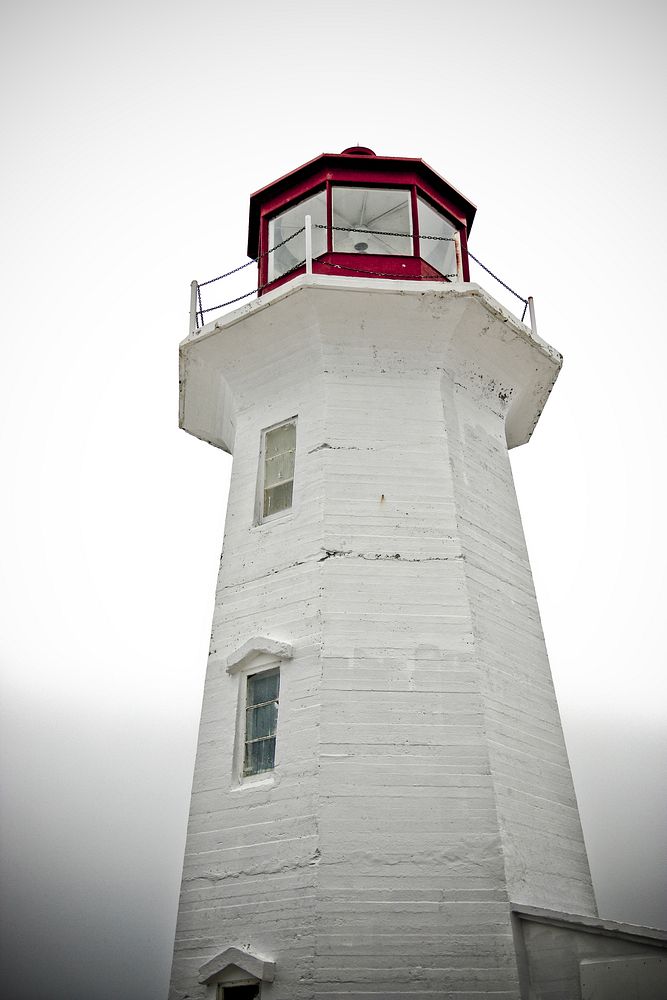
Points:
[193,307]
[309,245]
[531,310]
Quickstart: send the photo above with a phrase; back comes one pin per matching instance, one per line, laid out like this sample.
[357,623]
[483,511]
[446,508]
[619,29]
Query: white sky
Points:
[133,136]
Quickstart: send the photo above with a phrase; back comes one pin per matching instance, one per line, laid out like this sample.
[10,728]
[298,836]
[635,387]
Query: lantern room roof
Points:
[355,164]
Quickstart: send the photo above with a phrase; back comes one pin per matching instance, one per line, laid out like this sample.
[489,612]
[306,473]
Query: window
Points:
[277,472]
[440,253]
[261,717]
[379,217]
[237,992]
[293,253]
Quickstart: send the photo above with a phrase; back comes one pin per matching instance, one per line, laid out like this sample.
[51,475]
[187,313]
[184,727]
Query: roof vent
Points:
[357,151]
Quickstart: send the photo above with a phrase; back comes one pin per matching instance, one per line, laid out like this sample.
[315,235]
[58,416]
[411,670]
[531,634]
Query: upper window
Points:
[293,253]
[261,717]
[372,220]
[441,250]
[277,473]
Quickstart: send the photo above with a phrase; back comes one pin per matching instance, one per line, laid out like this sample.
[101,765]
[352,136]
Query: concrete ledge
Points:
[260,644]
[233,958]
[568,956]
[459,327]
[591,925]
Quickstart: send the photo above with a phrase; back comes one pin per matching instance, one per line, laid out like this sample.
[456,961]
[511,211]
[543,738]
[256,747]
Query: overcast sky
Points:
[133,134]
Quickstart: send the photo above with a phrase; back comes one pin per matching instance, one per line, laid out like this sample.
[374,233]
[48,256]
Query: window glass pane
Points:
[280,440]
[261,721]
[286,224]
[279,469]
[260,756]
[439,253]
[277,498]
[279,445]
[263,687]
[372,213]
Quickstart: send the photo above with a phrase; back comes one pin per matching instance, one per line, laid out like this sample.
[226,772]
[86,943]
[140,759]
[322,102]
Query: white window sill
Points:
[280,515]
[246,784]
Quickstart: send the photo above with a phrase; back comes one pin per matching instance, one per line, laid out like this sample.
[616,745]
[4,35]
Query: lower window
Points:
[261,718]
[237,992]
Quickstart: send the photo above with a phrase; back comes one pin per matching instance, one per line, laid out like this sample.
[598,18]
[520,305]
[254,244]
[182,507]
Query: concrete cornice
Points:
[259,968]
[381,285]
[459,329]
[259,644]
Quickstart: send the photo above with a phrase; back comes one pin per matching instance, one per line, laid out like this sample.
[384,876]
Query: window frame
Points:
[357,171]
[419,196]
[260,516]
[273,218]
[408,189]
[247,676]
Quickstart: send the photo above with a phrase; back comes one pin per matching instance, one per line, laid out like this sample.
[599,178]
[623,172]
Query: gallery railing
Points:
[198,311]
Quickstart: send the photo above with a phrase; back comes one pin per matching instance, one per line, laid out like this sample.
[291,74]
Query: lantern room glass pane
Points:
[440,251]
[285,225]
[372,220]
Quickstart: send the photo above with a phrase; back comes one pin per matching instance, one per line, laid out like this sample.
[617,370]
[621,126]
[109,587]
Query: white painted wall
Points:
[421,779]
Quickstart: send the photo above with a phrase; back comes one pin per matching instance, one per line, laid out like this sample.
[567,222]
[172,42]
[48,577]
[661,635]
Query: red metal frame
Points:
[329,218]
[359,168]
[353,265]
[415,222]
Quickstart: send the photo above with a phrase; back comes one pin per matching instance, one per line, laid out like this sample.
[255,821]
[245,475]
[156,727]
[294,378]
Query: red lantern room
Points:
[378,216]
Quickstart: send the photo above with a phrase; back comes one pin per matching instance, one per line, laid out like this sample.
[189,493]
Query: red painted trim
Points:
[379,163]
[415,221]
[263,244]
[439,207]
[329,218]
[363,170]
[358,265]
[353,265]
[329,170]
[464,255]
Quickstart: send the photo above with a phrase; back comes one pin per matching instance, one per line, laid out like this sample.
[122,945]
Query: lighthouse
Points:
[382,804]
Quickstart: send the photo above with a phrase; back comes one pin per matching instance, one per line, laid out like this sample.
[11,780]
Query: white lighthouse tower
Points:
[381,788]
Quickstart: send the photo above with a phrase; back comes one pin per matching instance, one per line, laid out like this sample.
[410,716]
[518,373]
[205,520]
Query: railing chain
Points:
[253,260]
[379,232]
[201,312]
[253,290]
